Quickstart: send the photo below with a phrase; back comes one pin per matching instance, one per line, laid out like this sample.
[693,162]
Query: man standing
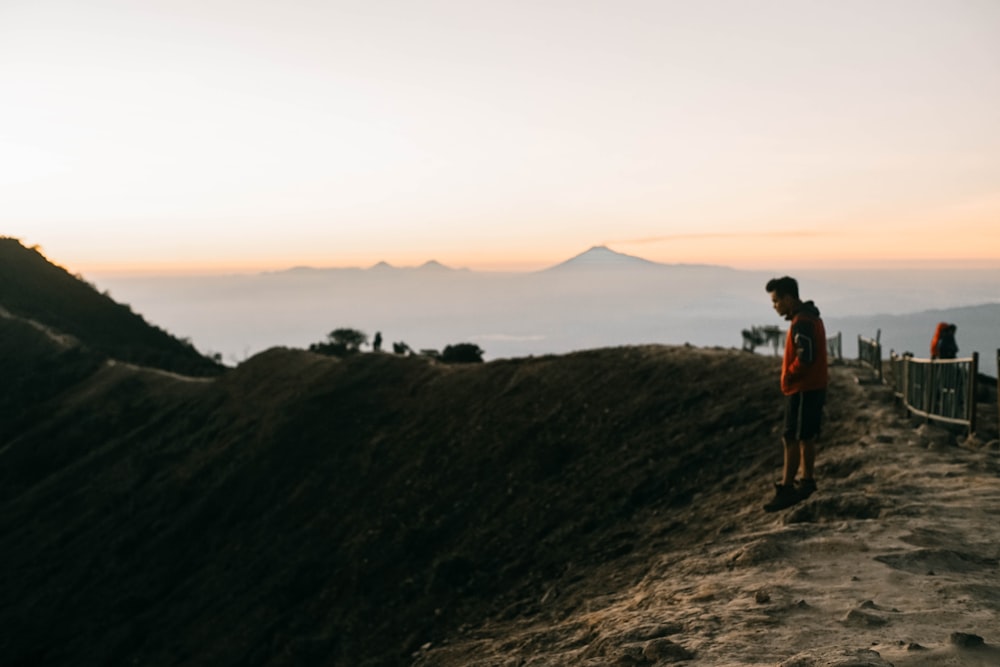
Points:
[803,382]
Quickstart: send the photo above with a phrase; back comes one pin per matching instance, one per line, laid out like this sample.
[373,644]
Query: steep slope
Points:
[304,510]
[354,510]
[38,291]
[36,364]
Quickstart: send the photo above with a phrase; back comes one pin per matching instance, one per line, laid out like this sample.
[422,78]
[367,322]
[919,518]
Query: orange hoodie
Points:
[804,367]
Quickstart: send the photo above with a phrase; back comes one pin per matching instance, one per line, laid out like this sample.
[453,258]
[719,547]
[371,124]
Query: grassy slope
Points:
[308,510]
[33,288]
[34,368]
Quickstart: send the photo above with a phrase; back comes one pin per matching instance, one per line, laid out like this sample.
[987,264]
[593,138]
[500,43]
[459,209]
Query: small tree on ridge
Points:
[341,342]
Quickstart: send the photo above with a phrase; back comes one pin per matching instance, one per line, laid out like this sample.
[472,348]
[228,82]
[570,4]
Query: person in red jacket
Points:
[936,339]
[943,344]
[804,377]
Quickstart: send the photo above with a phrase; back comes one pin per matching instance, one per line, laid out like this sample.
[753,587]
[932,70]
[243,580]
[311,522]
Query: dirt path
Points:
[64,341]
[893,562]
[158,371]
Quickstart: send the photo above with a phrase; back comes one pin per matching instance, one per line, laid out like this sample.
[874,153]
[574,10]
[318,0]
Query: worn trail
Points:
[893,562]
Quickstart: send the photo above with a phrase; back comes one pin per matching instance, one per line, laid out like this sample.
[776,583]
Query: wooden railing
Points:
[834,349]
[942,390]
[870,354]
[762,335]
[772,335]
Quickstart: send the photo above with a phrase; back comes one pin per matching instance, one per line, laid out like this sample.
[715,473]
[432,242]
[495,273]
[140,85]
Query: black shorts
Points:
[804,415]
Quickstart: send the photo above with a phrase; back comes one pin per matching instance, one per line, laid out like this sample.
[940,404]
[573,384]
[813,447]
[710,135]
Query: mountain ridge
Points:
[599,256]
[384,510]
[365,465]
[46,295]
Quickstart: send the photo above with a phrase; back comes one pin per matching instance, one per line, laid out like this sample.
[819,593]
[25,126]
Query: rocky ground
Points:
[894,561]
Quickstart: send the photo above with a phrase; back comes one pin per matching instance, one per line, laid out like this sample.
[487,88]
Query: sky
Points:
[210,135]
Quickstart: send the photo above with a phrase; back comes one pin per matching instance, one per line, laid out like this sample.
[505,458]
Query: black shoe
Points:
[805,487]
[784,496]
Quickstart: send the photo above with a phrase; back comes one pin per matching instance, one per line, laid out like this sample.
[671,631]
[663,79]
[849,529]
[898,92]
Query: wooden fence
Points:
[773,336]
[762,335]
[870,353]
[942,390]
[834,349]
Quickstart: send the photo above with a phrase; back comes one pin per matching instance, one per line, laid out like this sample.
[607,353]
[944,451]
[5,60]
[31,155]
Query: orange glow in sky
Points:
[168,137]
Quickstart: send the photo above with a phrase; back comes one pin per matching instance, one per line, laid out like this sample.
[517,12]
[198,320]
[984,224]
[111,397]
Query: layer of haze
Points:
[229,136]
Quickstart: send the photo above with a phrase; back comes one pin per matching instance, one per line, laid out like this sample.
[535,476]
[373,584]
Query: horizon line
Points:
[262,268]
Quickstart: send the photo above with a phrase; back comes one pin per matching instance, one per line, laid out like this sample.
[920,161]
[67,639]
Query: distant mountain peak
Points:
[382,266]
[433,265]
[601,256]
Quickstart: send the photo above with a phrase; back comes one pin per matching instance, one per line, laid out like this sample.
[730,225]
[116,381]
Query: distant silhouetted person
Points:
[804,377]
[946,346]
[377,341]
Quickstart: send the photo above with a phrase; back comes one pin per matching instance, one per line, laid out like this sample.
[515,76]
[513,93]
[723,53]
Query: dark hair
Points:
[784,286]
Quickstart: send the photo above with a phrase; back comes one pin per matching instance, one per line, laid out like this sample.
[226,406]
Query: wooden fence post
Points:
[972,393]
[929,380]
[906,382]
[878,355]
